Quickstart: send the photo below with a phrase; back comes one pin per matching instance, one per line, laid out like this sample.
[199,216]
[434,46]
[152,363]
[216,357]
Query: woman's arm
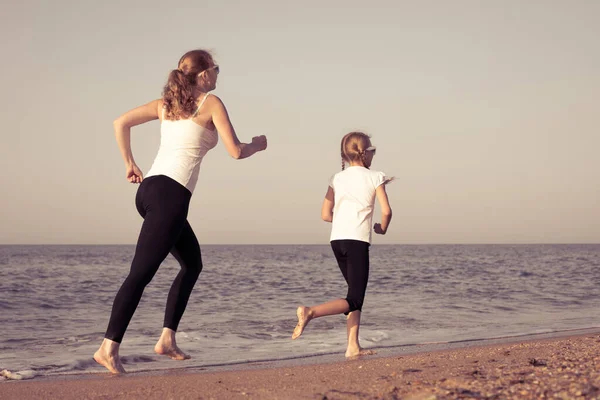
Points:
[233,145]
[328,203]
[386,210]
[123,125]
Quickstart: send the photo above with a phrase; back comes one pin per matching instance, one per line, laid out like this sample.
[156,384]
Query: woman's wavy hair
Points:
[178,94]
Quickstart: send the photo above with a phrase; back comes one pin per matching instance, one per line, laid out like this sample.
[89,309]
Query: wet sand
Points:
[564,367]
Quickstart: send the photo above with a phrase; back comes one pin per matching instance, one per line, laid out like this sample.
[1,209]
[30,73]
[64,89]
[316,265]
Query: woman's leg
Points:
[187,252]
[163,203]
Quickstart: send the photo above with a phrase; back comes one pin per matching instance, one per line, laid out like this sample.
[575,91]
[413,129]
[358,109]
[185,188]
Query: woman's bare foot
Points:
[167,346]
[108,356]
[173,352]
[352,352]
[304,316]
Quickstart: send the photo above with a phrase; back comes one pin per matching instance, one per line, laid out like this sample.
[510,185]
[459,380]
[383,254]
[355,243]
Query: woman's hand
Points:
[134,175]
[235,148]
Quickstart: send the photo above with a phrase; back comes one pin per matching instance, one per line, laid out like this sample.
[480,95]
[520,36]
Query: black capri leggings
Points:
[353,259]
[163,203]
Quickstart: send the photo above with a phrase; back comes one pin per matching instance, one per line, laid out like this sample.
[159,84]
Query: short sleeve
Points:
[331,181]
[380,179]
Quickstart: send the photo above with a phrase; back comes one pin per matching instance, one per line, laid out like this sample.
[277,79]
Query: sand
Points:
[563,368]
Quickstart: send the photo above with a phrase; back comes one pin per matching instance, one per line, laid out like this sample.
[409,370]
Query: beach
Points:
[566,367]
[446,321]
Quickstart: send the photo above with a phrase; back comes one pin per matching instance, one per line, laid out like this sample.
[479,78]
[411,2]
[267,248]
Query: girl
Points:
[191,122]
[349,205]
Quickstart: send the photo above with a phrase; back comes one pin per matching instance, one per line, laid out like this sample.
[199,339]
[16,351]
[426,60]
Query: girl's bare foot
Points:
[352,352]
[108,356]
[167,346]
[304,316]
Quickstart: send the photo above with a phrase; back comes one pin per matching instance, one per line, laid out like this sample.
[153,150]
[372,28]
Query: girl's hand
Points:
[378,229]
[260,142]
[134,175]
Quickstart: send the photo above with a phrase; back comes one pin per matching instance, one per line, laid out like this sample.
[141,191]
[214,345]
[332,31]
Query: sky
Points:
[486,112]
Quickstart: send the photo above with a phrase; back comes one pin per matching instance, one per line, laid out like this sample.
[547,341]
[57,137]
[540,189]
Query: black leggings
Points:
[163,203]
[353,259]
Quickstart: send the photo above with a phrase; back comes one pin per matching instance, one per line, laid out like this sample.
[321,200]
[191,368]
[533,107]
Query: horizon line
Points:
[315,244]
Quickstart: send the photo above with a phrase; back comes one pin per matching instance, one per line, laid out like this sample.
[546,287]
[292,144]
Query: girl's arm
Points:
[328,203]
[123,125]
[386,210]
[233,145]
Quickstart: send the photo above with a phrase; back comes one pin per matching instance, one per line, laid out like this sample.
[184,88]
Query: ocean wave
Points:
[5,305]
[137,359]
[17,376]
[375,337]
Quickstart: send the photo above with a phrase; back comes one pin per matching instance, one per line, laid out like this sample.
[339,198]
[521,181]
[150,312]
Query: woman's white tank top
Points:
[183,145]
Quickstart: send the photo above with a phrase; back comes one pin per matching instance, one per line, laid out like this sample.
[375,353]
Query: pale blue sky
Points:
[485,111]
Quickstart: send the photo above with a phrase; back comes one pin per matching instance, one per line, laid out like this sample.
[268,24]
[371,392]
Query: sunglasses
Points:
[372,148]
[215,67]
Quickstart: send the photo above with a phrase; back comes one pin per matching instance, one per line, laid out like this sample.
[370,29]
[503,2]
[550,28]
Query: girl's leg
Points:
[357,278]
[305,314]
[337,306]
[353,325]
[353,259]
[187,252]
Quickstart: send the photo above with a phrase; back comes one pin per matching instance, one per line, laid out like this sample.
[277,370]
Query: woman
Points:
[191,122]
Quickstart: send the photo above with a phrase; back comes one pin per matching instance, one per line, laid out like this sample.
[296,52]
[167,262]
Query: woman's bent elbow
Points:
[118,124]
[235,153]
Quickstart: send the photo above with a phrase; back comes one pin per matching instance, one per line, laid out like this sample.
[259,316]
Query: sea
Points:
[55,301]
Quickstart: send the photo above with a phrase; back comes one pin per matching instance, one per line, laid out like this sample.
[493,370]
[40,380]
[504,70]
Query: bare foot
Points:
[359,351]
[111,362]
[304,316]
[171,351]
[167,346]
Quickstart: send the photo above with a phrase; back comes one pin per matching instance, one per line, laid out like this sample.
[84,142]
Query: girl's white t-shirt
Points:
[354,202]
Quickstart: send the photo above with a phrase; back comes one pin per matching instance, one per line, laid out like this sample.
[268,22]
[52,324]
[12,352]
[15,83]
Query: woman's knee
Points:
[192,266]
[138,279]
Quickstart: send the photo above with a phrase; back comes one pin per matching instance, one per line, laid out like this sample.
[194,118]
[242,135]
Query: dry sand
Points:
[563,368]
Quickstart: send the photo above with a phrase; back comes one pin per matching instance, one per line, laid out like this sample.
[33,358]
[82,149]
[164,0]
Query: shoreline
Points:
[309,359]
[557,361]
